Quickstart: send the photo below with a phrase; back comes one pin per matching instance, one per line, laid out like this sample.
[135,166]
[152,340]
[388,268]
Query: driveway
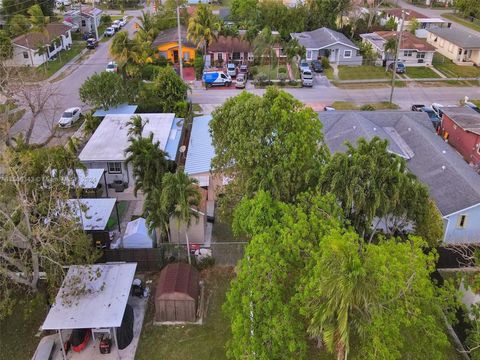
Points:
[72,76]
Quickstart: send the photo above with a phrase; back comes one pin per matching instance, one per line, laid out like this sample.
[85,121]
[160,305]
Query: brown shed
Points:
[177,292]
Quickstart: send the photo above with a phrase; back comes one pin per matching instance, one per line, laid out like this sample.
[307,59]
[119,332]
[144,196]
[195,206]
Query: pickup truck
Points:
[216,78]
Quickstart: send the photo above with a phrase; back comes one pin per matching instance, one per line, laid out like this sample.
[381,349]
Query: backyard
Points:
[363,72]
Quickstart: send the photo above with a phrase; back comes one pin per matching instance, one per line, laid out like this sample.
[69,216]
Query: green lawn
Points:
[17,339]
[272,72]
[191,342]
[450,69]
[347,105]
[363,72]
[421,73]
[51,67]
[461,20]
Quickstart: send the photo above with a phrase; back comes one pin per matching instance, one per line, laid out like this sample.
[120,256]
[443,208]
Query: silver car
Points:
[69,117]
[307,78]
[240,81]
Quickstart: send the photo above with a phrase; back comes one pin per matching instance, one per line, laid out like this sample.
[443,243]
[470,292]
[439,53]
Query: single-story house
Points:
[452,183]
[456,44]
[425,23]
[325,42]
[106,148]
[461,127]
[55,38]
[166,45]
[413,50]
[230,49]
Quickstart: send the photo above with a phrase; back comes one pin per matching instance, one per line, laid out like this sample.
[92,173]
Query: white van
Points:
[216,78]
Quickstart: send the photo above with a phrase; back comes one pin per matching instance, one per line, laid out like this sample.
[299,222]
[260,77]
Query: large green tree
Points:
[374,188]
[244,10]
[273,142]
[104,90]
[6,49]
[202,27]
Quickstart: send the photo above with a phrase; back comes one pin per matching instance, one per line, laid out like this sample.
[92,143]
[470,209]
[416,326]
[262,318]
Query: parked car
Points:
[417,107]
[240,81]
[109,31]
[115,26]
[123,22]
[244,69]
[92,43]
[432,115]
[307,78]
[231,69]
[69,117]
[112,67]
[216,78]
[401,68]
[317,66]
[329,108]
[303,66]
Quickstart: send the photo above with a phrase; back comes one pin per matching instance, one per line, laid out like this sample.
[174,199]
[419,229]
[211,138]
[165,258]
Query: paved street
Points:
[68,87]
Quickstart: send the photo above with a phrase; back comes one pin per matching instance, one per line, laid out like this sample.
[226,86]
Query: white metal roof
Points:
[92,213]
[102,303]
[110,140]
[85,179]
[200,148]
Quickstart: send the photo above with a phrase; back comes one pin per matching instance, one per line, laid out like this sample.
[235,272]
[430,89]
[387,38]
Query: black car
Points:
[316,66]
[417,107]
[92,43]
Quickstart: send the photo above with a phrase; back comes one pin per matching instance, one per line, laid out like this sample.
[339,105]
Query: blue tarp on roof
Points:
[200,148]
[174,138]
[123,109]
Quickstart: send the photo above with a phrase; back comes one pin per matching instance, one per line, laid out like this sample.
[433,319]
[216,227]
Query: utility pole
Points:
[397,50]
[180,52]
[94,20]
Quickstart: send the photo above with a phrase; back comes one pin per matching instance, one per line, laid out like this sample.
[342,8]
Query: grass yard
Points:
[122,208]
[421,73]
[452,70]
[461,20]
[363,72]
[347,105]
[191,342]
[18,330]
[270,73]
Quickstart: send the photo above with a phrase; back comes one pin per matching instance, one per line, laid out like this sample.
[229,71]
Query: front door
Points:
[175,56]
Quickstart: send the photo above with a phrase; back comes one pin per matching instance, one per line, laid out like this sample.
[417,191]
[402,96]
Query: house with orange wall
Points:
[166,45]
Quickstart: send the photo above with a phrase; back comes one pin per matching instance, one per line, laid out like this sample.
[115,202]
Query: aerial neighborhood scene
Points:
[239,179]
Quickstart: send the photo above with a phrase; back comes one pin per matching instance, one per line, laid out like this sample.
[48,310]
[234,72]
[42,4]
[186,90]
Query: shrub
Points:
[282,70]
[150,71]
[205,263]
[105,20]
[160,61]
[368,107]
[325,63]
[261,79]
[198,65]
[282,77]
[253,71]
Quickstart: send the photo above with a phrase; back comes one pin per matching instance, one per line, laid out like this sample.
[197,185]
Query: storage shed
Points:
[137,235]
[177,292]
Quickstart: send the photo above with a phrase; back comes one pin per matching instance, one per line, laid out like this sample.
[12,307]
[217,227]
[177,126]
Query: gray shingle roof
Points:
[321,38]
[452,183]
[467,118]
[458,37]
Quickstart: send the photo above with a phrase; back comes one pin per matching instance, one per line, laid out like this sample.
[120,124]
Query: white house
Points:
[329,43]
[57,37]
[413,50]
[106,148]
[84,19]
[424,22]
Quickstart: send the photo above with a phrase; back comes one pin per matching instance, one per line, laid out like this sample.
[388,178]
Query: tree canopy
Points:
[273,142]
[104,90]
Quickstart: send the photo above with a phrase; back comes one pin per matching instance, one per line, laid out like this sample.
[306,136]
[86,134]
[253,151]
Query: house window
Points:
[163,54]
[358,53]
[84,23]
[220,57]
[114,167]
[67,35]
[462,221]
[459,51]
[420,55]
[408,53]
[25,55]
[309,54]
[347,53]
[186,56]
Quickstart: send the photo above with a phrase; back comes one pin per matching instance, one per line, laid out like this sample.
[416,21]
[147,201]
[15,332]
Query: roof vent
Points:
[443,167]
[409,129]
[374,129]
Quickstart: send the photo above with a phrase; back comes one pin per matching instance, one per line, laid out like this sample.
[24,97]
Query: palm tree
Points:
[180,199]
[202,27]
[42,50]
[136,126]
[263,47]
[121,48]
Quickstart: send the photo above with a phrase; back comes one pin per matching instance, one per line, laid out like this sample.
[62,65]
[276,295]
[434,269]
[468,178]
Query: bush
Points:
[253,71]
[105,20]
[150,71]
[293,83]
[368,107]
[325,63]
[282,77]
[261,79]
[160,61]
[282,70]
[198,65]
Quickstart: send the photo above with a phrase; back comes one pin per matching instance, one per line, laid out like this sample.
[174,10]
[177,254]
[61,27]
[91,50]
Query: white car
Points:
[231,69]
[109,31]
[112,67]
[69,117]
[116,25]
[122,22]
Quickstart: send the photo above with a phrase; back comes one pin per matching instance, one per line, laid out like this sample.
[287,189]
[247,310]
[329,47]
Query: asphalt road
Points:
[72,76]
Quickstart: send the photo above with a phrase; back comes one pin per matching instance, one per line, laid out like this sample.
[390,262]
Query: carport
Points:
[85,179]
[92,297]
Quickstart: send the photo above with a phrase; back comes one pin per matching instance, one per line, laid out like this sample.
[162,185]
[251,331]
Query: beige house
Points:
[461,47]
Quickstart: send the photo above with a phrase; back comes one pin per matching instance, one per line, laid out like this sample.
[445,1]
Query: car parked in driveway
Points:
[401,68]
[231,69]
[115,26]
[316,66]
[307,78]
[109,31]
[69,117]
[303,66]
[240,81]
[244,69]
